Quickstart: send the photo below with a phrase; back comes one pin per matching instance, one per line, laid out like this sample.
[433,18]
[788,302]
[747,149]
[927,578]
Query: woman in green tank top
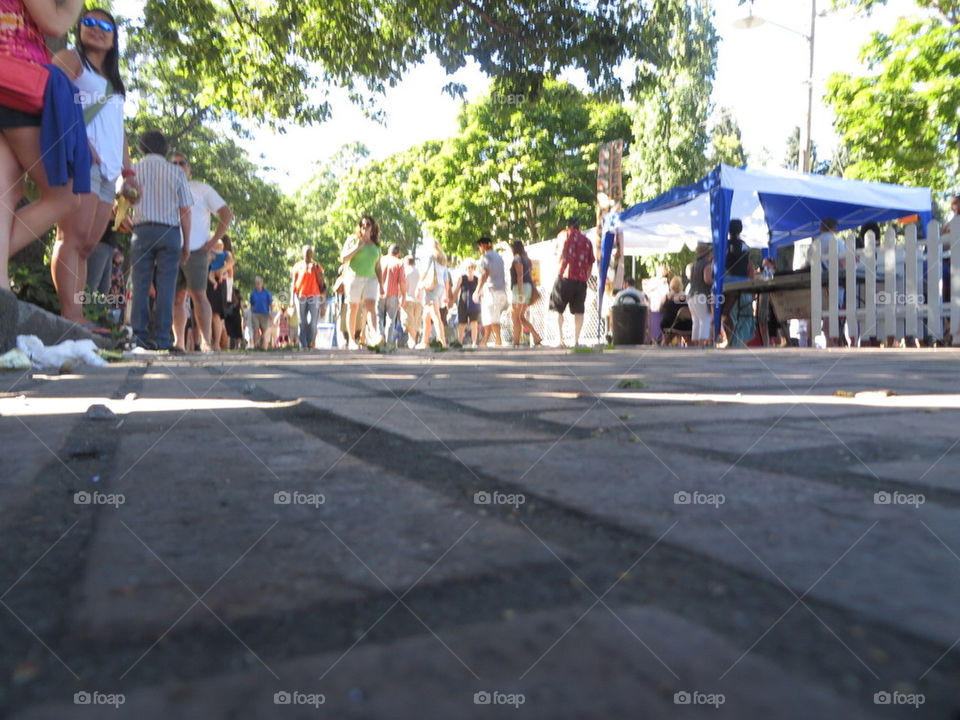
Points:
[362,252]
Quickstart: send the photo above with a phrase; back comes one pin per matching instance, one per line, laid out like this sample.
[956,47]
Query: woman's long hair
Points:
[518,249]
[374,229]
[111,62]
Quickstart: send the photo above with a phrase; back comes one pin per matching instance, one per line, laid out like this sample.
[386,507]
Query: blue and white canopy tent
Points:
[777,207]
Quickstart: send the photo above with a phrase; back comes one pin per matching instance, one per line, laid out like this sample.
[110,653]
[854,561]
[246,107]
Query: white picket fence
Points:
[887,298]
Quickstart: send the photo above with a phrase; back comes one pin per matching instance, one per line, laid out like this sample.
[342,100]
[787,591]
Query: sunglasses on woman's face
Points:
[104,25]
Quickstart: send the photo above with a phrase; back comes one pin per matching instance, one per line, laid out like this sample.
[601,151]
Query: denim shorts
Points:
[104,189]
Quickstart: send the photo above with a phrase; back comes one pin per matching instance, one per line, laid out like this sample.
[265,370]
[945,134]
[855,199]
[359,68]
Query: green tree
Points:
[727,142]
[516,170]
[669,120]
[273,60]
[267,228]
[899,120]
[316,197]
[380,189]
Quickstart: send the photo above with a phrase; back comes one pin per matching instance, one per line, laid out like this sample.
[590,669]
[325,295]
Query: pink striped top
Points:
[19,34]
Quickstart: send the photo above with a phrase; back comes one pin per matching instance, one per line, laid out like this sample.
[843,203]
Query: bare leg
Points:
[577,327]
[180,321]
[10,174]
[215,326]
[441,328]
[560,326]
[475,332]
[528,326]
[352,317]
[517,325]
[202,314]
[36,218]
[101,218]
[427,323]
[68,256]
[370,311]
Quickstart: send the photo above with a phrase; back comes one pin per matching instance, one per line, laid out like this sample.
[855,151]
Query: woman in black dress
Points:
[468,311]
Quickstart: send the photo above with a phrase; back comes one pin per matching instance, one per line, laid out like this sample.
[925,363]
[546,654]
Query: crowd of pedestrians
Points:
[67,133]
[420,304]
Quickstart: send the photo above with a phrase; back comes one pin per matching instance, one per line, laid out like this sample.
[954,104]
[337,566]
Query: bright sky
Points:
[760,76]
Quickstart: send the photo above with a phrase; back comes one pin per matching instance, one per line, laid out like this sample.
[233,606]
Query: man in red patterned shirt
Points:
[576,264]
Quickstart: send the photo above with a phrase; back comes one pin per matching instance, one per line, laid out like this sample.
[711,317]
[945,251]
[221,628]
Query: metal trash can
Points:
[629,323]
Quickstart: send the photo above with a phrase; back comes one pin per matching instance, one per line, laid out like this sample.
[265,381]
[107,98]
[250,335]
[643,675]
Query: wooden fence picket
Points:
[934,307]
[888,297]
[870,286]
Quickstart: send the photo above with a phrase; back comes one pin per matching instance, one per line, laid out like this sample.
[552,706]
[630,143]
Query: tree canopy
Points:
[516,170]
[899,121]
[269,61]
[669,120]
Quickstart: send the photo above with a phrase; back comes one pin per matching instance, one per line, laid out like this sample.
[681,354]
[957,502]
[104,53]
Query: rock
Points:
[100,412]
[53,329]
[9,314]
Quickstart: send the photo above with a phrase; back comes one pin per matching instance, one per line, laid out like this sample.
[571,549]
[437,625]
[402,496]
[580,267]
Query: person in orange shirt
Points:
[308,289]
[393,292]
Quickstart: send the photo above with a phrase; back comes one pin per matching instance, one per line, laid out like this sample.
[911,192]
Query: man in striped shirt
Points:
[161,228]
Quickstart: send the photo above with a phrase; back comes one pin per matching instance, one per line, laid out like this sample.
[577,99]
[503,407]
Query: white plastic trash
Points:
[62,355]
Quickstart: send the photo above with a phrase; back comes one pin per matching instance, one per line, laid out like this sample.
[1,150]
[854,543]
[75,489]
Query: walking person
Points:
[308,289]
[51,161]
[576,264]
[94,67]
[433,288]
[521,280]
[468,310]
[491,291]
[193,276]
[161,232]
[261,318]
[362,251]
[393,291]
[412,307]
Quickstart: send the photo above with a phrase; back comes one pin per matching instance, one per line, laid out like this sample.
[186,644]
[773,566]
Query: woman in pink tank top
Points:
[23,23]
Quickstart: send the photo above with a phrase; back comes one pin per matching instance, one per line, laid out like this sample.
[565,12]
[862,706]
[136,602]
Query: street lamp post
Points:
[806,142]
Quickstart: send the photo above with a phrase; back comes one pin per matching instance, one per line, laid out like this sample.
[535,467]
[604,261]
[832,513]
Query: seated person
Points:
[630,294]
[828,229]
[672,305]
